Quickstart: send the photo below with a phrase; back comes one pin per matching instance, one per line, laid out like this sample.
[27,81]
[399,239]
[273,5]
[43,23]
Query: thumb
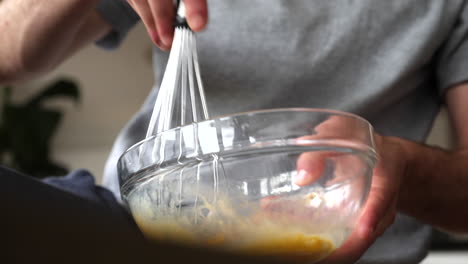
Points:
[197,14]
[311,165]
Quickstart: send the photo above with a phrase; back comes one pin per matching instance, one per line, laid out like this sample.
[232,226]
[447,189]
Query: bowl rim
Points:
[292,109]
[254,112]
[369,147]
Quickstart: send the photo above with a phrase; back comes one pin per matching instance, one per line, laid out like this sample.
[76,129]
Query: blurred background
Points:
[112,86]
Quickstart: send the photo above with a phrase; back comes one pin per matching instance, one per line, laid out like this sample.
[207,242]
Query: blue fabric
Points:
[65,220]
[120,16]
[82,184]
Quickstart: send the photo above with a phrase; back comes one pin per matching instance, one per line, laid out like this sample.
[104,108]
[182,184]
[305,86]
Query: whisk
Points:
[180,101]
[181,98]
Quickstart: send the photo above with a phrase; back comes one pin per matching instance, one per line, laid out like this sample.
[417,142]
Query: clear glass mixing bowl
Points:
[284,182]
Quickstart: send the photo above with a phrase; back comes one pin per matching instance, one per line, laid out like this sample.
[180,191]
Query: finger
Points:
[351,250]
[310,166]
[275,206]
[387,220]
[358,243]
[378,214]
[266,202]
[355,246]
[387,179]
[163,14]
[197,14]
[336,127]
[380,202]
[144,11]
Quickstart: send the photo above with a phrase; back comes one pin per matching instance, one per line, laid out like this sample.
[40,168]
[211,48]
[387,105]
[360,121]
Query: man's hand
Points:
[424,182]
[381,207]
[158,17]
[36,36]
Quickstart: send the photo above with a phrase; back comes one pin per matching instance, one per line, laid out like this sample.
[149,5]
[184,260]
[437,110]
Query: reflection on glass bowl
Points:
[232,182]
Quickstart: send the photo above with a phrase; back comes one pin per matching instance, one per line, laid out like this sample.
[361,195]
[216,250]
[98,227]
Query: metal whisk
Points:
[181,99]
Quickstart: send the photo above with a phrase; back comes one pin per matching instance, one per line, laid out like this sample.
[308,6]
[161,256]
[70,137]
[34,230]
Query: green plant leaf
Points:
[6,94]
[61,88]
[29,131]
[26,130]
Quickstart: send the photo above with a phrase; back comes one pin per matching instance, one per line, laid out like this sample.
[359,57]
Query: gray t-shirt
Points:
[388,61]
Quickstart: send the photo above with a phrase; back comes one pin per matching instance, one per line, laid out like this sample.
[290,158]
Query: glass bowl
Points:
[284,182]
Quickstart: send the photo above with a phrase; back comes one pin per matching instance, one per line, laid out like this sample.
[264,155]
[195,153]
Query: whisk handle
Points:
[180,20]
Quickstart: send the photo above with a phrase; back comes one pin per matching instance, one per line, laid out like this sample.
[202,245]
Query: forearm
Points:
[434,187]
[37,34]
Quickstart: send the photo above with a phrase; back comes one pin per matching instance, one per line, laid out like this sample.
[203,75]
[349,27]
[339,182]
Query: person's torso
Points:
[372,58]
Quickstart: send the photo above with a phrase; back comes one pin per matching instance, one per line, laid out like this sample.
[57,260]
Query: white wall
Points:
[113,86]
[441,133]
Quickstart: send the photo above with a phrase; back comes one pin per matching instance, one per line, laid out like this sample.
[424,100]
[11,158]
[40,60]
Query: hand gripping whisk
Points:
[181,99]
